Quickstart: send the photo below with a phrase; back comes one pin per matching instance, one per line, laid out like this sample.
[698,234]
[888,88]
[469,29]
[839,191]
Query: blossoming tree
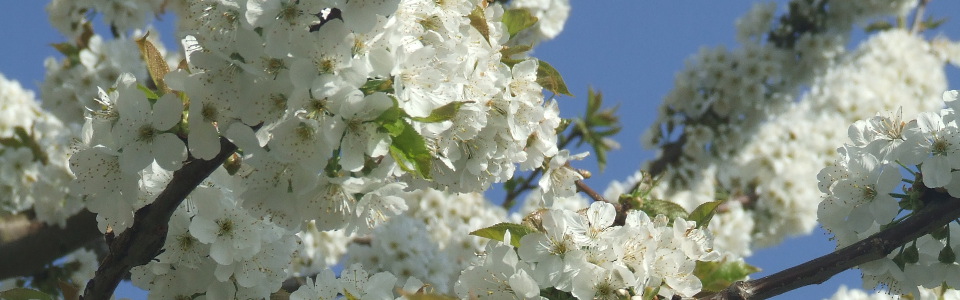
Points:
[316,149]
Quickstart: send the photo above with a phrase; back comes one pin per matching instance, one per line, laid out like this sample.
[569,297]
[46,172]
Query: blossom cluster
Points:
[940,293]
[338,109]
[749,137]
[585,255]
[33,148]
[865,190]
[369,127]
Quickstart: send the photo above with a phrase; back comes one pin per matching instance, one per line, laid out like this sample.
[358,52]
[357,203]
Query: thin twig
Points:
[511,198]
[142,242]
[918,17]
[940,210]
[586,189]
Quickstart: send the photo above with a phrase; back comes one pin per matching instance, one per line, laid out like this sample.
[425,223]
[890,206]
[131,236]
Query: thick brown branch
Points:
[940,210]
[141,242]
[28,246]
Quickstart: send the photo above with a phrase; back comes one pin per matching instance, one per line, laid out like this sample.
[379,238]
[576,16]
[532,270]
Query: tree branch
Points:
[670,154]
[142,242]
[941,209]
[586,189]
[28,246]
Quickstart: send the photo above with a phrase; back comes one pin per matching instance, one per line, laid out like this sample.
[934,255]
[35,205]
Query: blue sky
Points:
[627,49]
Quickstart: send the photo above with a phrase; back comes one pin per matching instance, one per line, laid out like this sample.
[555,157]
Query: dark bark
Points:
[29,246]
[142,242]
[941,209]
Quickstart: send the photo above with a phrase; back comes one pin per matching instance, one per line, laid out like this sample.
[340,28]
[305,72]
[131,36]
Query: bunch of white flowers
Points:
[586,255]
[338,108]
[747,136]
[865,191]
[33,148]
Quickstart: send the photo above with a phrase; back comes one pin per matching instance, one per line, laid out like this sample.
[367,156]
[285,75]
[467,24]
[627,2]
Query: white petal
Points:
[884,209]
[169,151]
[133,104]
[601,214]
[950,96]
[524,285]
[167,111]
[936,171]
[930,122]
[204,140]
[261,12]
[222,253]
[135,157]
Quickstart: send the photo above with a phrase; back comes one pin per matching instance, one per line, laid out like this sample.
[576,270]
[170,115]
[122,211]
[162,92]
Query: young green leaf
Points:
[518,19]
[654,207]
[550,79]
[156,64]
[507,53]
[147,92]
[479,21]
[718,275]
[409,149]
[377,85]
[497,231]
[442,113]
[930,23]
[880,25]
[24,294]
[703,213]
[392,114]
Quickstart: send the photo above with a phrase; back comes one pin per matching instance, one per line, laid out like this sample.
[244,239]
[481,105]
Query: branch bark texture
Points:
[28,246]
[941,209]
[142,242]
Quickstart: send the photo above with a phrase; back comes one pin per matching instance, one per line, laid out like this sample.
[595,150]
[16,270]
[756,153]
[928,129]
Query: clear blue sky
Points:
[627,49]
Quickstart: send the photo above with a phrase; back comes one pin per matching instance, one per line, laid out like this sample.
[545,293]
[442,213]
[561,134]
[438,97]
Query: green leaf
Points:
[550,79]
[496,232]
[377,85]
[650,293]
[594,100]
[392,114]
[67,49]
[518,19]
[442,113]
[654,207]
[507,53]
[930,23]
[24,294]
[156,63]
[880,25]
[597,125]
[479,21]
[10,142]
[407,146]
[717,276]
[409,149]
[147,92]
[703,213]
